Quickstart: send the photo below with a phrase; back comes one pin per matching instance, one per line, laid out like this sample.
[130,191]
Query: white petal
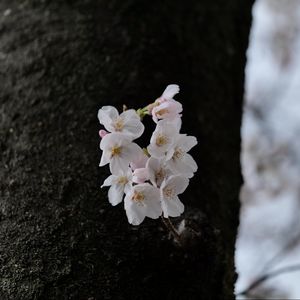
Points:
[189,161]
[129,114]
[117,164]
[140,175]
[135,128]
[130,151]
[104,159]
[115,194]
[109,180]
[179,166]
[114,139]
[135,213]
[178,183]
[152,201]
[186,143]
[172,207]
[106,115]
[170,91]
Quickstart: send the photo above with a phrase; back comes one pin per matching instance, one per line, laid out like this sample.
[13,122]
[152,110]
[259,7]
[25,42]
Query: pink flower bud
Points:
[102,133]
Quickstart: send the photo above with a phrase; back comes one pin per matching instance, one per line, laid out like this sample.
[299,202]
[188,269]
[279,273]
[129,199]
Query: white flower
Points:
[157,171]
[142,201]
[118,185]
[178,160]
[162,139]
[170,188]
[128,122]
[119,151]
[165,107]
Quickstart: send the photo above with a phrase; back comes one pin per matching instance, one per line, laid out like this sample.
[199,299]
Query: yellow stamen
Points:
[138,197]
[119,124]
[115,151]
[178,154]
[122,180]
[168,192]
[161,140]
[162,112]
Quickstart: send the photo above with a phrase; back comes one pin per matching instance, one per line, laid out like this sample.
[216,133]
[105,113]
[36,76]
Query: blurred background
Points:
[268,243]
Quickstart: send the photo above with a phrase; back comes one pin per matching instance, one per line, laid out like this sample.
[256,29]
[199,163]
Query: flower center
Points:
[161,140]
[122,180]
[162,112]
[159,175]
[138,197]
[119,124]
[178,154]
[169,192]
[115,151]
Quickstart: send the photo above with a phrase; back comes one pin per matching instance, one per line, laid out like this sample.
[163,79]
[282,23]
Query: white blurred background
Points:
[269,233]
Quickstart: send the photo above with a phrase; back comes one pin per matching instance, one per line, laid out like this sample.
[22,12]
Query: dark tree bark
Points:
[60,61]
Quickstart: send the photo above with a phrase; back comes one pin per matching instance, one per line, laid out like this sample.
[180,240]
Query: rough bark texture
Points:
[60,61]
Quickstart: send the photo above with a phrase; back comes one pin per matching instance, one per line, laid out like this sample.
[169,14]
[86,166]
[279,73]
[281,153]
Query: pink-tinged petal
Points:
[115,194]
[170,91]
[139,161]
[140,175]
[102,133]
[178,166]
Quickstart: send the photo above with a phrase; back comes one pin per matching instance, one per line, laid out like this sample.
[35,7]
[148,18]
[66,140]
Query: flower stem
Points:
[169,225]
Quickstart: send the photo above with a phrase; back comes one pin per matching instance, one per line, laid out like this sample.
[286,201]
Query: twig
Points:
[171,228]
[260,280]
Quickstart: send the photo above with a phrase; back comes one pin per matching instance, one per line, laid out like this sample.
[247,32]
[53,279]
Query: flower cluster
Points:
[151,178]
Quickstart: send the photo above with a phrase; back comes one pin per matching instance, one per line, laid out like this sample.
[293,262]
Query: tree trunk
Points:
[60,61]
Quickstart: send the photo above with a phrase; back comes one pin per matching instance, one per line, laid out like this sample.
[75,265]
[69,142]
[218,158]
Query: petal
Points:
[117,164]
[104,159]
[129,114]
[115,194]
[170,91]
[134,127]
[130,151]
[179,166]
[135,212]
[172,207]
[152,201]
[139,161]
[186,143]
[109,180]
[140,175]
[178,183]
[189,161]
[106,115]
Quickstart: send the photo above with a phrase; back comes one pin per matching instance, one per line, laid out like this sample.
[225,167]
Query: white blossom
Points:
[143,200]
[162,139]
[178,160]
[157,171]
[119,184]
[165,107]
[128,122]
[118,150]
[169,191]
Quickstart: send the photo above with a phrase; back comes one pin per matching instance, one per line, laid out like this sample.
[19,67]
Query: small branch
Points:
[172,229]
[260,280]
